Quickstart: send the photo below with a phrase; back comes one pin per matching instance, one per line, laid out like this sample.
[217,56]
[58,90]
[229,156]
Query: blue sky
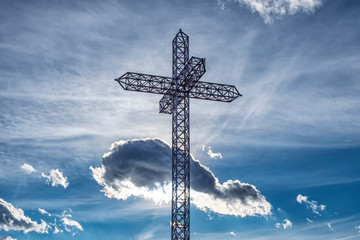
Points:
[67,128]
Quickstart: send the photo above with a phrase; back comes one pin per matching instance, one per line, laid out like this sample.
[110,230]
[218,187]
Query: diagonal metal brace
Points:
[187,79]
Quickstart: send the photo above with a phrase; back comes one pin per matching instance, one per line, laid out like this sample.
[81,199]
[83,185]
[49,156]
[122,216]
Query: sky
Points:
[80,158]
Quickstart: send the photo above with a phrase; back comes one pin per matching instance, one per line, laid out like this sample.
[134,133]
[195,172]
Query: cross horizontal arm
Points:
[205,91]
[145,83]
[214,92]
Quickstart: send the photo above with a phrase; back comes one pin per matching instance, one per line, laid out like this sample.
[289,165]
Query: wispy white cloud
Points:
[330,226]
[72,223]
[309,220]
[126,172]
[13,218]
[286,224]
[221,4]
[28,168]
[316,231]
[275,9]
[212,154]
[64,222]
[357,228]
[56,230]
[203,147]
[43,211]
[56,178]
[232,233]
[313,205]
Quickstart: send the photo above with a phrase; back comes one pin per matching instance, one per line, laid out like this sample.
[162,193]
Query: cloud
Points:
[232,233]
[309,220]
[203,147]
[14,219]
[212,154]
[330,226]
[28,168]
[72,223]
[56,230]
[6,238]
[275,9]
[43,211]
[313,205]
[142,168]
[137,168]
[63,222]
[67,223]
[56,178]
[286,224]
[357,228]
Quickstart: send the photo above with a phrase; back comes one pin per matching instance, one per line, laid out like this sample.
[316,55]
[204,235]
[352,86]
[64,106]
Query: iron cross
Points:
[177,91]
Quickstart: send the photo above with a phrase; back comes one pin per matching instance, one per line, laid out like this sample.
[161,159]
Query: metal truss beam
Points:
[145,83]
[180,56]
[180,203]
[214,92]
[164,85]
[204,91]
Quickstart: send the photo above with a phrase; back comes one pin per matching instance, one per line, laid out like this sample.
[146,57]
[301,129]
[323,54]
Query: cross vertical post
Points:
[177,91]
[180,203]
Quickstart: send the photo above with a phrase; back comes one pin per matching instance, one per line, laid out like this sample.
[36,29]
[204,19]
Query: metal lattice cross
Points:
[177,90]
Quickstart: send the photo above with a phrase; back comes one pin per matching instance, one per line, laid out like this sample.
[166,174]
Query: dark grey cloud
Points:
[145,162]
[142,168]
[13,218]
[203,180]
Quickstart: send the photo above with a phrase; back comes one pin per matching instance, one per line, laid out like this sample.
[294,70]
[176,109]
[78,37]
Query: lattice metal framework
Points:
[177,90]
